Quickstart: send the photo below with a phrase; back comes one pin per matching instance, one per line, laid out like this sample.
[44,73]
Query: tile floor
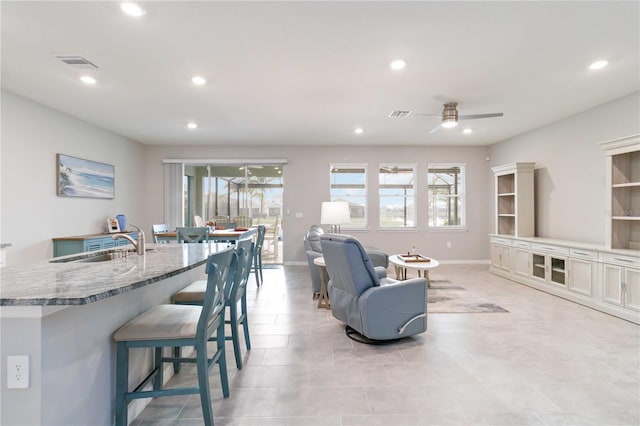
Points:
[546,362]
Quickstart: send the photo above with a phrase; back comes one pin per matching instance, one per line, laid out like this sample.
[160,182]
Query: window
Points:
[349,183]
[446,195]
[396,186]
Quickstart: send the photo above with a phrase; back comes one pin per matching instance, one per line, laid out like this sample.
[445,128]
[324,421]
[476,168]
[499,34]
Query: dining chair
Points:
[159,229]
[227,225]
[273,236]
[244,221]
[198,221]
[192,234]
[234,294]
[171,325]
[257,254]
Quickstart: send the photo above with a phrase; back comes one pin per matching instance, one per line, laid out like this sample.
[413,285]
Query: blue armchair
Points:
[313,250]
[377,308]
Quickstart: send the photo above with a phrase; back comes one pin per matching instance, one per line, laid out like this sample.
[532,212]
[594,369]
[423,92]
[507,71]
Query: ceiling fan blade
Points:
[435,129]
[431,115]
[472,116]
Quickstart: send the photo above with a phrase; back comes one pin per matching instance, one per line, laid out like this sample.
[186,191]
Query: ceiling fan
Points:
[450,116]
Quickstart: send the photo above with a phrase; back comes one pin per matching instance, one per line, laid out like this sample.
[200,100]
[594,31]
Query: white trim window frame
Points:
[348,182]
[397,196]
[446,196]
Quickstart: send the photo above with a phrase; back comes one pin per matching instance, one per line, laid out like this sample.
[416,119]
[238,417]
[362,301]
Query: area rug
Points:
[444,297]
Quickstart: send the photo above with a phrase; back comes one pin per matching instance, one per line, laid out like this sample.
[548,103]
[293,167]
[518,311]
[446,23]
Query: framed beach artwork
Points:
[78,177]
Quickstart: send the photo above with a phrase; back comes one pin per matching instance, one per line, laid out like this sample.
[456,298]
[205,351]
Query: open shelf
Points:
[623,182]
[514,212]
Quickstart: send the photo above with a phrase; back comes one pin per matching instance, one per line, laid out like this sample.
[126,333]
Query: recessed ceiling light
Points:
[192,125]
[358,131]
[132,9]
[598,65]
[398,64]
[198,81]
[467,131]
[87,79]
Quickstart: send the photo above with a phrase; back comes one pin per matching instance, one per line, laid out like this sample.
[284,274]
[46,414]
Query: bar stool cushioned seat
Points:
[175,326]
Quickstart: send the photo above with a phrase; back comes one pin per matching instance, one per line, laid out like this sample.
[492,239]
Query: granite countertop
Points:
[77,283]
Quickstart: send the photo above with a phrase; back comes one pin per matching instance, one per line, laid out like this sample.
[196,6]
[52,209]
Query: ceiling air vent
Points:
[399,113]
[77,61]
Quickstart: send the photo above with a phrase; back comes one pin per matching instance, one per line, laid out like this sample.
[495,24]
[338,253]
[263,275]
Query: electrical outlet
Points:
[17,371]
[448,244]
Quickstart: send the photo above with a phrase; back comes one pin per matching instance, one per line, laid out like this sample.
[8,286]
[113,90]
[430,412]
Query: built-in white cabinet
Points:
[521,254]
[514,207]
[623,193]
[501,254]
[581,271]
[595,276]
[621,281]
[549,263]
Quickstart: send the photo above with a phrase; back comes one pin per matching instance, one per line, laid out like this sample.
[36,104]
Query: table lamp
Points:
[335,213]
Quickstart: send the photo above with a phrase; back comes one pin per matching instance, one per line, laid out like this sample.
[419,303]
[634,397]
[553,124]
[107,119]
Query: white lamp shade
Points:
[335,213]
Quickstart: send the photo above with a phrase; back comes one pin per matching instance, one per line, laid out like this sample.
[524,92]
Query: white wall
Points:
[570,168]
[32,213]
[306,182]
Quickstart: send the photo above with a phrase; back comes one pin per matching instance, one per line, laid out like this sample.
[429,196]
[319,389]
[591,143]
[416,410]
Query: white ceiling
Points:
[308,73]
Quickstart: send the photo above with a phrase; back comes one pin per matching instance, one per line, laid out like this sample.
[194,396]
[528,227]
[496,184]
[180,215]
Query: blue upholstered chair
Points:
[192,234]
[176,326]
[376,307]
[313,250]
[234,293]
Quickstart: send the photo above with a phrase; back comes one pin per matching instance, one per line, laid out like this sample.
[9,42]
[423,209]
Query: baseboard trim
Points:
[464,262]
[295,263]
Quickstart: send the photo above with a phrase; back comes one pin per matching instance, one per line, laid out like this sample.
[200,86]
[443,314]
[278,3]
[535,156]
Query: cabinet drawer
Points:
[503,241]
[94,245]
[621,259]
[583,254]
[521,244]
[549,248]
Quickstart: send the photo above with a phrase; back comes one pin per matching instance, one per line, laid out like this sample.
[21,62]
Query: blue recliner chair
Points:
[313,250]
[379,309]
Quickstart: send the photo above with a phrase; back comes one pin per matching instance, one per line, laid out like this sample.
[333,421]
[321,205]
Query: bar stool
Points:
[176,326]
[257,254]
[234,293]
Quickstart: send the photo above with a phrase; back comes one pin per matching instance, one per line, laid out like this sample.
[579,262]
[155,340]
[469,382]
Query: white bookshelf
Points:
[514,208]
[623,192]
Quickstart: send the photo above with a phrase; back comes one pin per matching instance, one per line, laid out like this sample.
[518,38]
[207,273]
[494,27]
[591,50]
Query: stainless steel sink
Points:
[112,254]
[100,258]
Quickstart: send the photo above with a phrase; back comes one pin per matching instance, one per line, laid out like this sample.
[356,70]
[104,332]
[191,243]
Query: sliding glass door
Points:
[243,194]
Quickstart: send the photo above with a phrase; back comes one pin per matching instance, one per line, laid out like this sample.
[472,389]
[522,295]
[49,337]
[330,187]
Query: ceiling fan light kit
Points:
[450,116]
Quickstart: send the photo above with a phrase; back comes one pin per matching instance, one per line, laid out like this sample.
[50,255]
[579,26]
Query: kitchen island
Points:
[63,312]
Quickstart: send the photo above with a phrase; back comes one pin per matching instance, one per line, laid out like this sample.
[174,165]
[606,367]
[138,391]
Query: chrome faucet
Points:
[139,245]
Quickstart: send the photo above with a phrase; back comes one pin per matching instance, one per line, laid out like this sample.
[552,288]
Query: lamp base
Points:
[360,338]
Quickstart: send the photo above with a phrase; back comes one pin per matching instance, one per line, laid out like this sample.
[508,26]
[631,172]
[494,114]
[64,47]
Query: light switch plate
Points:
[298,215]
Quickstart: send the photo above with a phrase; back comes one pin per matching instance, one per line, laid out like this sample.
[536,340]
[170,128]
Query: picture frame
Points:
[113,226]
[78,177]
